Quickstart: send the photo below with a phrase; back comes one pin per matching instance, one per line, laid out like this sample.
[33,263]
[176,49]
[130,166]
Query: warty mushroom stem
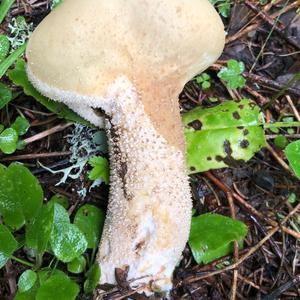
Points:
[149,212]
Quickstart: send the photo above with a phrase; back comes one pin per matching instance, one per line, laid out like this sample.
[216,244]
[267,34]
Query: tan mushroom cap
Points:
[83,46]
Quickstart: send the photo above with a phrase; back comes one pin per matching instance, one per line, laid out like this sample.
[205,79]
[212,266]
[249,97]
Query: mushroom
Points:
[131,58]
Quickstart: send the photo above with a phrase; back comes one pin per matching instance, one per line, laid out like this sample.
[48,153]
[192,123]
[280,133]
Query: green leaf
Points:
[21,125]
[4,46]
[93,278]
[66,240]
[8,245]
[28,295]
[292,152]
[281,141]
[8,141]
[39,229]
[212,235]
[26,281]
[292,198]
[19,77]
[27,189]
[58,287]
[225,135]
[60,199]
[21,195]
[90,220]
[6,63]
[77,265]
[4,8]
[232,74]
[5,95]
[100,169]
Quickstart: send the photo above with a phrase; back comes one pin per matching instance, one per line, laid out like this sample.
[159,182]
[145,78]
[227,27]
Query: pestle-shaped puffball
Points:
[131,58]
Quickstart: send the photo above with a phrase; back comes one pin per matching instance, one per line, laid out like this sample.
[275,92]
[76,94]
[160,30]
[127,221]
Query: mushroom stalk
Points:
[149,212]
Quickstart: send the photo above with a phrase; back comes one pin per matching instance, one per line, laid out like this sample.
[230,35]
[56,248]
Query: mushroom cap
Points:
[83,46]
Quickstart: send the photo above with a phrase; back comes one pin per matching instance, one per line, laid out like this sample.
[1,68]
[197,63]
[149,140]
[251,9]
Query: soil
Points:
[255,193]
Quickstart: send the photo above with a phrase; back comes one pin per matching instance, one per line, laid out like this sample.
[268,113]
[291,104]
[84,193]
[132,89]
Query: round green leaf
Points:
[281,141]
[212,235]
[8,245]
[26,281]
[58,287]
[20,125]
[93,278]
[66,240]
[21,195]
[90,219]
[27,189]
[77,265]
[8,141]
[292,152]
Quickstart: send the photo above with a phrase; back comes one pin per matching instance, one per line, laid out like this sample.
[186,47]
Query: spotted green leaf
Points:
[212,236]
[292,152]
[225,135]
[8,245]
[90,219]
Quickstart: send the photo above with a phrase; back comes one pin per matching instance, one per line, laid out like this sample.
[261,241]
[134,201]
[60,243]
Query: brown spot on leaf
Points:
[219,158]
[244,144]
[236,115]
[196,124]
[241,106]
[192,169]
[209,158]
[246,132]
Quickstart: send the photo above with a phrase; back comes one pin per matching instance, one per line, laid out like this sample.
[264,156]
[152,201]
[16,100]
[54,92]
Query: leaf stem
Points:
[23,262]
[281,124]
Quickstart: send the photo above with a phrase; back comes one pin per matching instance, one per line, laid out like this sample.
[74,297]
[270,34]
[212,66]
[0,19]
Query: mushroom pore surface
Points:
[131,58]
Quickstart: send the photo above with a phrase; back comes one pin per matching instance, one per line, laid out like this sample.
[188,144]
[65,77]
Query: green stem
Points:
[23,262]
[4,8]
[281,124]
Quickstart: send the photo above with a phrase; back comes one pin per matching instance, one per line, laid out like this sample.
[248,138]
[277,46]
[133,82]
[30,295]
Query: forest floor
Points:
[266,38]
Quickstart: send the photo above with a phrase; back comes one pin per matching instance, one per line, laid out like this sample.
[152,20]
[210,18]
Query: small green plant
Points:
[223,6]
[232,74]
[9,137]
[203,80]
[212,236]
[47,230]
[100,169]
